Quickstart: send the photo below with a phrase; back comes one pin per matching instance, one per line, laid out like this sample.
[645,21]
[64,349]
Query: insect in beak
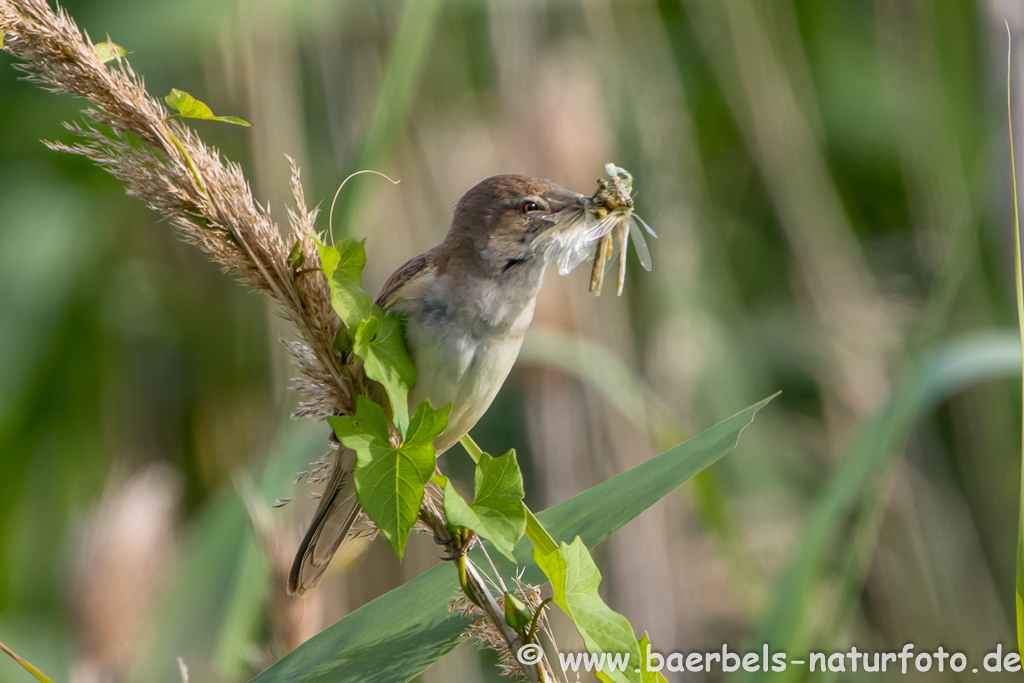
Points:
[592,229]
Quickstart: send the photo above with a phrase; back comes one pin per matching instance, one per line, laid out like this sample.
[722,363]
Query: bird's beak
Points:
[565,204]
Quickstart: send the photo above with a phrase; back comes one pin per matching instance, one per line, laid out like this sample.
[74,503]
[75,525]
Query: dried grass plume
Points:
[205,196]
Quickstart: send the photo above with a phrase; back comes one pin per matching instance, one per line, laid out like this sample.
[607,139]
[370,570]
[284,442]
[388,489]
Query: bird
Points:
[467,304]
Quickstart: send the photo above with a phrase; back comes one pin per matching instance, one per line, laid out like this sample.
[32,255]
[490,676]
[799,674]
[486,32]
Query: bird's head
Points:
[497,222]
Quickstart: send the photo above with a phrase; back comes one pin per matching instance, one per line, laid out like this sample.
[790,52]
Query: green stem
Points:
[464,581]
[188,160]
[40,676]
[536,618]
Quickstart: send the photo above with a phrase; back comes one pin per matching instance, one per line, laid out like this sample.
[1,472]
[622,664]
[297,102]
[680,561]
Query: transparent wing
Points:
[646,227]
[572,239]
[596,229]
[639,243]
[573,254]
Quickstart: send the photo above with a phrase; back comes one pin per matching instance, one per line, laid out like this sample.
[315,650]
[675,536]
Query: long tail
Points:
[337,512]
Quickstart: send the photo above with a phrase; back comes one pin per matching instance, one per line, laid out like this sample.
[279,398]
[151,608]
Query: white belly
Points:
[462,360]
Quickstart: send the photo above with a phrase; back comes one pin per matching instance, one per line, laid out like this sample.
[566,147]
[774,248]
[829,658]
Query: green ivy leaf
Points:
[109,51]
[496,513]
[646,674]
[389,481]
[380,342]
[343,265]
[574,578]
[190,108]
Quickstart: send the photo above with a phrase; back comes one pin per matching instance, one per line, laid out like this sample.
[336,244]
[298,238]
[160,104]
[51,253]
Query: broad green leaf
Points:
[329,258]
[646,674]
[190,108]
[109,51]
[395,638]
[574,579]
[380,342]
[369,426]
[350,301]
[426,425]
[497,513]
[343,265]
[535,531]
[389,481]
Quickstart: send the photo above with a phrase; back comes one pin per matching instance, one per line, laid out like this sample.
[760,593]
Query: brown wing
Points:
[409,271]
[339,508]
[334,517]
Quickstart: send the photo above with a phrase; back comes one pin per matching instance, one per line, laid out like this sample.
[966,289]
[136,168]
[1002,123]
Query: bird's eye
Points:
[529,205]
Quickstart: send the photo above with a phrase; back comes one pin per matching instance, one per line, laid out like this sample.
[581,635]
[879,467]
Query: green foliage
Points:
[190,108]
[497,513]
[517,614]
[951,369]
[380,342]
[343,265]
[1018,278]
[646,675]
[397,636]
[377,338]
[109,51]
[28,666]
[390,480]
[574,578]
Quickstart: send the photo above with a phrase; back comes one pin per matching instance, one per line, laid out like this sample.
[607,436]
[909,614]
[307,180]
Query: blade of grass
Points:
[1020,320]
[952,368]
[405,62]
[634,397]
[40,676]
[397,636]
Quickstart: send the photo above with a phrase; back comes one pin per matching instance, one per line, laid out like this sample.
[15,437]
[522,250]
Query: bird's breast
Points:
[464,348]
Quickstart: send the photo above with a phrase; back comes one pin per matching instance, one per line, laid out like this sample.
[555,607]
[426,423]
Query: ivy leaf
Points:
[646,674]
[109,51]
[190,108]
[390,480]
[380,342]
[497,513]
[574,578]
[343,265]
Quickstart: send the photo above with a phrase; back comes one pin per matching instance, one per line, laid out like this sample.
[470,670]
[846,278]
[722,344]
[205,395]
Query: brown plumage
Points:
[467,304]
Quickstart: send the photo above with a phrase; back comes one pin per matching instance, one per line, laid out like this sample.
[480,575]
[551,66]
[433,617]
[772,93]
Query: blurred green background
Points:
[829,181]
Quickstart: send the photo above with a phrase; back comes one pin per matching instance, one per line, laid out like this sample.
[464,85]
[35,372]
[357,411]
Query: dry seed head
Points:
[206,197]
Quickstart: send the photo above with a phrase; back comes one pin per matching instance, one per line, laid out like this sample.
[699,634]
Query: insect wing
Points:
[639,243]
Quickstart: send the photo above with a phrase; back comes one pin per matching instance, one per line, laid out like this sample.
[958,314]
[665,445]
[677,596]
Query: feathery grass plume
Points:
[163,162]
[178,175]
